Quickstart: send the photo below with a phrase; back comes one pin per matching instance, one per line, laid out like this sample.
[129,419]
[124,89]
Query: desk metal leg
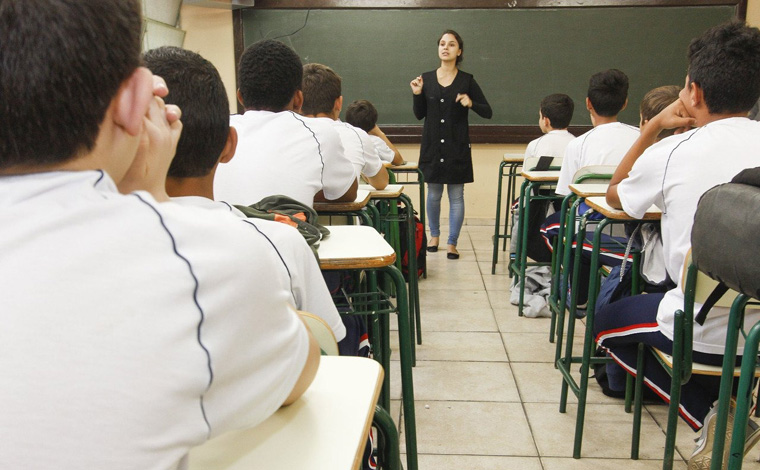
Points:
[414,293]
[497,222]
[389,444]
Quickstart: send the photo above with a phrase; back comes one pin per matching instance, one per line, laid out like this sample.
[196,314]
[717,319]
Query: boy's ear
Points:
[130,105]
[696,94]
[589,106]
[229,147]
[240,98]
[624,105]
[338,105]
[297,101]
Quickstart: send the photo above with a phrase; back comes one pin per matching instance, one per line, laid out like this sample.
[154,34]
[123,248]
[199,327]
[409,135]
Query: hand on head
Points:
[160,134]
[464,100]
[416,85]
[675,116]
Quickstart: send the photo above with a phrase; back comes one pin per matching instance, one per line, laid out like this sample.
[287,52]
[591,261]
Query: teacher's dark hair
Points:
[456,35]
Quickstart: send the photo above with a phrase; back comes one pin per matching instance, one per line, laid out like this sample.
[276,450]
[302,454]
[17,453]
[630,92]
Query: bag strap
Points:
[710,302]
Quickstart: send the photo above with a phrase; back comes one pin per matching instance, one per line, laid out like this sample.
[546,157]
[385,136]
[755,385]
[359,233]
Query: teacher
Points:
[444,97]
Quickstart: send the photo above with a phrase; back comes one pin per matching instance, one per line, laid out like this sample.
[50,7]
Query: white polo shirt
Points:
[306,282]
[283,153]
[385,153]
[551,144]
[358,148]
[605,144]
[132,331]
[673,174]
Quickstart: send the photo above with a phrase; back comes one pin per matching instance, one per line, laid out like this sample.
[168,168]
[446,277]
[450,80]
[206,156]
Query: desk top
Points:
[354,247]
[533,175]
[392,191]
[406,166]
[589,189]
[514,157]
[361,201]
[599,204]
[326,429]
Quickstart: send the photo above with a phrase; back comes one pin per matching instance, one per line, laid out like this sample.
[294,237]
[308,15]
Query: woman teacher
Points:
[444,97]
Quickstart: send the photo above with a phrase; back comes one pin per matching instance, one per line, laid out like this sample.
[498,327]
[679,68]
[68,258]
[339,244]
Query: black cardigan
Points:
[445,155]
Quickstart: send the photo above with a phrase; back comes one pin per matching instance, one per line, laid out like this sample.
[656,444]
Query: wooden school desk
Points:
[350,208]
[410,167]
[326,429]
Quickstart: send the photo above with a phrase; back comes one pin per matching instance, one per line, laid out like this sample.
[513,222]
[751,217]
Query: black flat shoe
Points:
[432,248]
[452,255]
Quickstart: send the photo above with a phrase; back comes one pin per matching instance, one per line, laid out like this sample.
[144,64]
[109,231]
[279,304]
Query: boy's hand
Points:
[464,100]
[416,85]
[161,130]
[675,116]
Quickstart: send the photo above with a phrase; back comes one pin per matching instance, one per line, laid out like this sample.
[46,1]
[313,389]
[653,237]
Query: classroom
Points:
[485,386]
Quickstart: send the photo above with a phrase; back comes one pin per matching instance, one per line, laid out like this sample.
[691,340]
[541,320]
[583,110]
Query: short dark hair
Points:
[269,74]
[196,87]
[456,35]
[655,101]
[362,114]
[725,63]
[608,91]
[559,109]
[321,86]
[62,64]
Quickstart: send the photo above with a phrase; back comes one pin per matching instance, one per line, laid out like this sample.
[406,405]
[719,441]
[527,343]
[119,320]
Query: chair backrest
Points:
[322,333]
[532,163]
[702,286]
[594,174]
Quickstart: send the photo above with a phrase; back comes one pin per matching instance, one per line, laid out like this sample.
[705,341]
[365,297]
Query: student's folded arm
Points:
[397,158]
[380,180]
[307,373]
[348,196]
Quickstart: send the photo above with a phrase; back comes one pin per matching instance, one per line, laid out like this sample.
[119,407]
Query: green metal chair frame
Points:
[511,174]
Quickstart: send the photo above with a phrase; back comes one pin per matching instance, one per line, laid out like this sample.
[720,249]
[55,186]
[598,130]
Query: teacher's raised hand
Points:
[416,85]
[464,100]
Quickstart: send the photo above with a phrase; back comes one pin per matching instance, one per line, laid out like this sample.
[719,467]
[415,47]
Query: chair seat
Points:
[697,368]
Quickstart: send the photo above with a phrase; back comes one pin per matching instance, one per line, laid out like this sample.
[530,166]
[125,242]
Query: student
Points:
[722,85]
[322,99]
[207,140]
[363,114]
[554,116]
[130,330]
[608,141]
[279,151]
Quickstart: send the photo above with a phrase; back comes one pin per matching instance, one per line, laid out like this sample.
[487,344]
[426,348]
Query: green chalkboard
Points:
[517,55]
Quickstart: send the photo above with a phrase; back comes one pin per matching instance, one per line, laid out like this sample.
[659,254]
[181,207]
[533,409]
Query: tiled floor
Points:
[486,390]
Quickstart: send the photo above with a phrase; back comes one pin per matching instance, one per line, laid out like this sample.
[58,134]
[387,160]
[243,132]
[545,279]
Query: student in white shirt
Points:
[554,116]
[363,114]
[131,331]
[722,84]
[207,139]
[608,141]
[323,100]
[280,151]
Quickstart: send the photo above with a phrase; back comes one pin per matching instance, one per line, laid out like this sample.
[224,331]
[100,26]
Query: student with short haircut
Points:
[363,114]
[280,151]
[608,141]
[207,140]
[131,330]
[323,100]
[554,116]
[722,85]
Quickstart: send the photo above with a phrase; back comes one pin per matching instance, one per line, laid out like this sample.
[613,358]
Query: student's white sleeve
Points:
[643,186]
[372,162]
[338,173]
[385,153]
[570,164]
[530,150]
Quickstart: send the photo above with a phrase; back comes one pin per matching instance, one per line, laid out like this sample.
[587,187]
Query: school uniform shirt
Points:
[131,330]
[445,153]
[283,153]
[358,148]
[605,144]
[673,174]
[385,153]
[551,144]
[307,286]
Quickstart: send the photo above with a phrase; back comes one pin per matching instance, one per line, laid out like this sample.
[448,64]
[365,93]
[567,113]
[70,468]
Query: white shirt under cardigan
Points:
[306,282]
[131,330]
[605,144]
[358,148]
[673,174]
[551,144]
[283,153]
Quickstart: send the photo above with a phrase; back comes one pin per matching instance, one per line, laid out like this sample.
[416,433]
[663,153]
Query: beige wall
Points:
[209,32]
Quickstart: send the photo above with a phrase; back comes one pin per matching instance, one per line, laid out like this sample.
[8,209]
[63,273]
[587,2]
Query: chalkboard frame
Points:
[490,134]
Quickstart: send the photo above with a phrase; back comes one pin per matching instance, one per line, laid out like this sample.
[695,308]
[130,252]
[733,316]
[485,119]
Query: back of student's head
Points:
[196,87]
[321,86]
[62,64]
[559,109]
[362,114]
[269,74]
[725,63]
[608,91]
[655,101]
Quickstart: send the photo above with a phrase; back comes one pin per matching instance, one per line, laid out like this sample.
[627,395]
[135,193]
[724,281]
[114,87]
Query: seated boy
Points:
[554,116]
[207,140]
[280,151]
[363,114]
[130,330]
[322,99]
[608,141]
[722,85]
